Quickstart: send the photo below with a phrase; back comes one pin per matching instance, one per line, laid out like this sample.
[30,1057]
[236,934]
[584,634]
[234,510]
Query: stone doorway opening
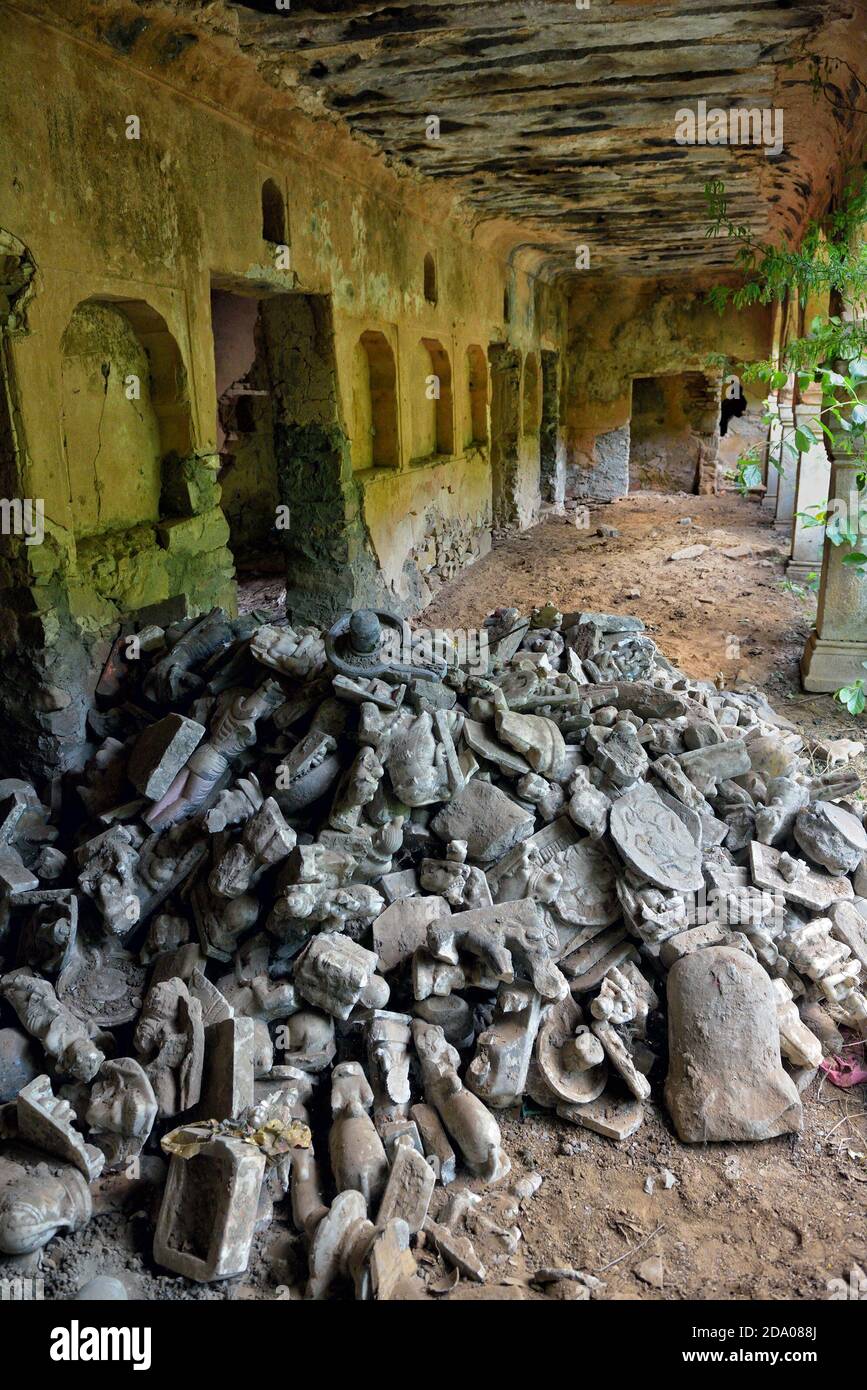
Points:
[674,432]
[243,378]
[278,436]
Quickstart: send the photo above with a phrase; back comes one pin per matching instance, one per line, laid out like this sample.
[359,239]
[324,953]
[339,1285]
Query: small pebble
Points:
[651,1271]
[526,1187]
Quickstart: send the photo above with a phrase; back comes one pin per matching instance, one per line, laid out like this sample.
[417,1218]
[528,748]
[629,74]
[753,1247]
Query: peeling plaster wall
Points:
[436,520]
[639,329]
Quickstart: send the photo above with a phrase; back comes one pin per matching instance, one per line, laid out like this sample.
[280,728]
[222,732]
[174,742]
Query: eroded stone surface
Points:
[725,1079]
[654,842]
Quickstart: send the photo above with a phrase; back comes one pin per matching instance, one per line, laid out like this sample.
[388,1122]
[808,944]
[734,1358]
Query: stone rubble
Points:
[307,919]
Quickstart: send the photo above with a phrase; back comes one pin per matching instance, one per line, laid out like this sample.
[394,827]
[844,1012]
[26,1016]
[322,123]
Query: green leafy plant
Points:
[833,354]
[853,696]
[808,590]
[830,262]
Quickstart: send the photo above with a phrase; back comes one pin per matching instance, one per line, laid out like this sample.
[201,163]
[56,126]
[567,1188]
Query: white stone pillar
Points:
[788,461]
[772,477]
[811,490]
[837,647]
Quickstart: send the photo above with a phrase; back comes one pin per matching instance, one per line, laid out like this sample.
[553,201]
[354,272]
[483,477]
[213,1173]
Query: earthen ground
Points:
[773,1220]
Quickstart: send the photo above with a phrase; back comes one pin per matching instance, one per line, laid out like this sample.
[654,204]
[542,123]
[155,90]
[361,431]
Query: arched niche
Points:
[430,279]
[438,391]
[124,407]
[273,214]
[376,443]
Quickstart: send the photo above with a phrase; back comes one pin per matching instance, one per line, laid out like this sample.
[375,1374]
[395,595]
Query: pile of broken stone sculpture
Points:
[302,891]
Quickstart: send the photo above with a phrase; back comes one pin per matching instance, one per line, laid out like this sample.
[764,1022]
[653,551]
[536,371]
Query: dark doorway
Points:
[245,443]
[673,431]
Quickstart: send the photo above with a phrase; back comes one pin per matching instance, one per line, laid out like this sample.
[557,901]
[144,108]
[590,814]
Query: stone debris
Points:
[689,552]
[726,1079]
[651,1272]
[341,911]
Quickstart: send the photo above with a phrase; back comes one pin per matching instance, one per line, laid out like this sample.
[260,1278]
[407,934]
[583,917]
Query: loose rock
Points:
[431,892]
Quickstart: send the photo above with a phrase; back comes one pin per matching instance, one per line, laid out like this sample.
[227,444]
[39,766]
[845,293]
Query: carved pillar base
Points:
[799,571]
[827,665]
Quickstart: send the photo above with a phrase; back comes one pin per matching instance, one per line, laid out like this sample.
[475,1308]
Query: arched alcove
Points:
[376,422]
[477,389]
[273,214]
[440,395]
[530,414]
[124,408]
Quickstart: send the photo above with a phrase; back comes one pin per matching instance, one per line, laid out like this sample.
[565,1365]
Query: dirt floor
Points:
[775,1220]
[772,1220]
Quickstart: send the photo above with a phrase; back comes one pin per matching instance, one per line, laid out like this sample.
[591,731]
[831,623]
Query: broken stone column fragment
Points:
[160,752]
[725,1078]
[208,1214]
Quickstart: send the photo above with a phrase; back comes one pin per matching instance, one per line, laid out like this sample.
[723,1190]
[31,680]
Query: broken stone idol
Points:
[328,918]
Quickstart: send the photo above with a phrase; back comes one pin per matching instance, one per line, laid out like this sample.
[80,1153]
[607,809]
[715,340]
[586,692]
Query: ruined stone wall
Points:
[128,237]
[642,329]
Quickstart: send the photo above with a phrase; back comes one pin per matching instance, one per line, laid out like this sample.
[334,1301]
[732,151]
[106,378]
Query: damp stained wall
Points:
[641,329]
[109,219]
[129,236]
